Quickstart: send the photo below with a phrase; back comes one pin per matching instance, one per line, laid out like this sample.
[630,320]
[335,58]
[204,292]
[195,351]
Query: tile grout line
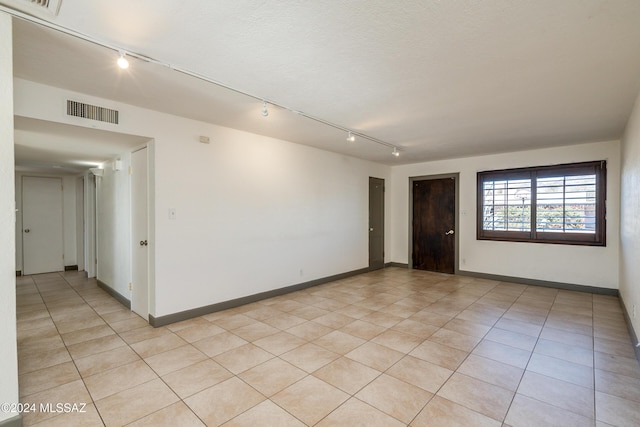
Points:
[63,342]
[524,370]
[593,361]
[483,337]
[143,360]
[74,360]
[351,395]
[593,368]
[326,295]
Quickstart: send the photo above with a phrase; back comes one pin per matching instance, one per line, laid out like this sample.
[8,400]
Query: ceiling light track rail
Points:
[122,52]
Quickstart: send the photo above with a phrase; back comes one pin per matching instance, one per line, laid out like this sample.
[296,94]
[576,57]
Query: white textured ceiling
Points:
[439,79]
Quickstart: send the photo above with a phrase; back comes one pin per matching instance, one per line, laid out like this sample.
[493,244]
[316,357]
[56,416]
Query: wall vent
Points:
[92,112]
[35,7]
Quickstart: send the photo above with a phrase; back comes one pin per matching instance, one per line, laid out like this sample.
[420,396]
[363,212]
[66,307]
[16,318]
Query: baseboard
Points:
[632,332]
[12,422]
[70,268]
[121,299]
[544,283]
[225,305]
[396,264]
[18,273]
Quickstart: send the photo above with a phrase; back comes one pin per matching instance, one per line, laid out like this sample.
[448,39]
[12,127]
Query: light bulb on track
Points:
[351,137]
[122,61]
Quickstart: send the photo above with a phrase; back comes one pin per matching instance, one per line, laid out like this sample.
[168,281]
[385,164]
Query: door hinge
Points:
[130,286]
[129,170]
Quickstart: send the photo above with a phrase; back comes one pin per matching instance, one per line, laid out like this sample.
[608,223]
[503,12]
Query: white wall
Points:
[629,217]
[114,227]
[252,211]
[69,227]
[582,265]
[8,347]
[80,253]
[90,224]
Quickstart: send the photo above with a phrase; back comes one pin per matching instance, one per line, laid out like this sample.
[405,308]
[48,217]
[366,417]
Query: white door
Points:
[42,239]
[80,223]
[140,234]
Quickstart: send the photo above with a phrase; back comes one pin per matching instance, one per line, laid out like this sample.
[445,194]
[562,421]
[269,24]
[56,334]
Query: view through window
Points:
[552,204]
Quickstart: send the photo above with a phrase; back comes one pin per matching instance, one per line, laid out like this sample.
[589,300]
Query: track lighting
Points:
[122,61]
[351,137]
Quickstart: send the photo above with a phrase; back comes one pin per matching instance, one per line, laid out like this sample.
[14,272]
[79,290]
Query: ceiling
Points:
[59,148]
[437,79]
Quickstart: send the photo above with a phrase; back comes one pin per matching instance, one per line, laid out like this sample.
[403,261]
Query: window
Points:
[547,204]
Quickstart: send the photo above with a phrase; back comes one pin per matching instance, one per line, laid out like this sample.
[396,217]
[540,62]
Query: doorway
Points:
[140,233]
[42,237]
[91,225]
[80,255]
[376,223]
[433,245]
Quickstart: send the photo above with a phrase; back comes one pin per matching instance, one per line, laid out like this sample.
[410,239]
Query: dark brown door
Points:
[433,225]
[376,223]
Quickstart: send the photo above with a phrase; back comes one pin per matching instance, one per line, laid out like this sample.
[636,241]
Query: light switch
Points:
[172,213]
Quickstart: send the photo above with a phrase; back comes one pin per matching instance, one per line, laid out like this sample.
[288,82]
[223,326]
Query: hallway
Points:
[388,348]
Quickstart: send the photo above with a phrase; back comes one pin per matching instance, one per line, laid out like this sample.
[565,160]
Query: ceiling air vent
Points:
[35,7]
[92,112]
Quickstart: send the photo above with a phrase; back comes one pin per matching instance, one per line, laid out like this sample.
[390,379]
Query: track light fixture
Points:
[351,137]
[122,61]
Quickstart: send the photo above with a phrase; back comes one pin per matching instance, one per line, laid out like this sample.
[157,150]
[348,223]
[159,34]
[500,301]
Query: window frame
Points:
[599,168]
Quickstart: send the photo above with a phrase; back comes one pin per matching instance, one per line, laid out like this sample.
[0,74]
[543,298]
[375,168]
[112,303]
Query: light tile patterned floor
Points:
[388,348]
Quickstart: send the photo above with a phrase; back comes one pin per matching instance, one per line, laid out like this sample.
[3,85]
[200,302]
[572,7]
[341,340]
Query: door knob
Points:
[371,229]
[449,232]
[26,230]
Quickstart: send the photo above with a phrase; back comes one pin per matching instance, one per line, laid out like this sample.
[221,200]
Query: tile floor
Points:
[388,348]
